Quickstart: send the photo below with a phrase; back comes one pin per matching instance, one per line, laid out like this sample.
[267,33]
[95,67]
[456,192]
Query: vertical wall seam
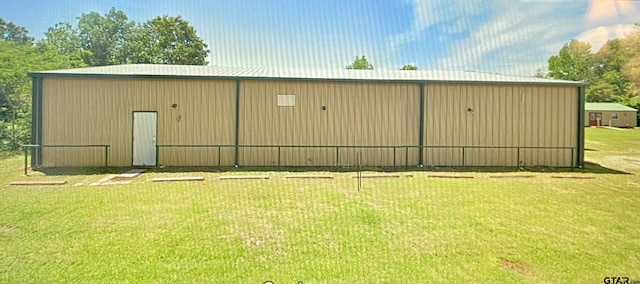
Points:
[237,120]
[421,126]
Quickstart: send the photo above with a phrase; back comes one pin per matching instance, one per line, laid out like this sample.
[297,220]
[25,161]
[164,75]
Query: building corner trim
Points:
[36,121]
[580,134]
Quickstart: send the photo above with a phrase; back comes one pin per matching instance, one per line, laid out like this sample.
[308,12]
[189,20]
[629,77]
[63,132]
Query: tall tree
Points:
[409,67]
[630,45]
[65,39]
[574,62]
[360,63]
[104,37]
[11,32]
[167,40]
[113,39]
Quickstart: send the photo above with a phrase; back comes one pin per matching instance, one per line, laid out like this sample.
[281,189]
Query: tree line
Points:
[93,40]
[613,72]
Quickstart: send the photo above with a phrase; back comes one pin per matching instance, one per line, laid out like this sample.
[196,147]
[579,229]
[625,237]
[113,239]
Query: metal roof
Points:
[607,107]
[158,70]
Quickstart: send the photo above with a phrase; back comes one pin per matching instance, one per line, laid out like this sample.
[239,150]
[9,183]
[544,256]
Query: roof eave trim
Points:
[162,76]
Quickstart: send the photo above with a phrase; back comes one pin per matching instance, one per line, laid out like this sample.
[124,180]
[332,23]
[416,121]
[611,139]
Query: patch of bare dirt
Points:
[4,228]
[515,266]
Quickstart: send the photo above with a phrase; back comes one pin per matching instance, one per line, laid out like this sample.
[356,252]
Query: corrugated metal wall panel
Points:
[504,116]
[357,114]
[99,111]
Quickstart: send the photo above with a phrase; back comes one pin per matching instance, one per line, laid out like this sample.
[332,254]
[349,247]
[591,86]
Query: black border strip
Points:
[244,78]
[36,121]
[580,132]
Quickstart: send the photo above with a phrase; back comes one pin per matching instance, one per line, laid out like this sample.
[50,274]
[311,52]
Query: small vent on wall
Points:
[286,100]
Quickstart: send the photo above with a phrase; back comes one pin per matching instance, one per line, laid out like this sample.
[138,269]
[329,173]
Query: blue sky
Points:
[504,36]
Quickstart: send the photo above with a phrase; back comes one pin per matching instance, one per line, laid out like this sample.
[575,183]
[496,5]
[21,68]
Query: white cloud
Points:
[514,37]
[427,13]
[600,35]
[511,40]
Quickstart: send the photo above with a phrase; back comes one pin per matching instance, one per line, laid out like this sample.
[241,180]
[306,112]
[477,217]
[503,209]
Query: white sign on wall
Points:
[287,100]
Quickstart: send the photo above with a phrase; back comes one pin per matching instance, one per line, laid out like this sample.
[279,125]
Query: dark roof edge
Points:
[244,78]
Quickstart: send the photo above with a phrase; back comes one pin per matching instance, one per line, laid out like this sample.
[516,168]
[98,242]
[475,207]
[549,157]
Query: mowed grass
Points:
[398,230]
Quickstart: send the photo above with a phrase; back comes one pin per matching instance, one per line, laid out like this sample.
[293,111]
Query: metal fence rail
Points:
[37,162]
[394,148]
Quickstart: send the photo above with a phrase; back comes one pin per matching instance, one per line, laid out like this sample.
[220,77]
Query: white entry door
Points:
[144,138]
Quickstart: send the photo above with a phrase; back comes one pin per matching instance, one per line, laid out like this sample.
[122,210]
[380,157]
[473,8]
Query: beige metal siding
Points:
[100,111]
[502,116]
[625,118]
[357,114]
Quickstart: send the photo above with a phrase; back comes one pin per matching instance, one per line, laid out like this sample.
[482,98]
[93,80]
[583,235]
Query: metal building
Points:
[610,114]
[216,116]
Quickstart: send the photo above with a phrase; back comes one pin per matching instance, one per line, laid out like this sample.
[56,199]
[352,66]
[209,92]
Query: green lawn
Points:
[419,229]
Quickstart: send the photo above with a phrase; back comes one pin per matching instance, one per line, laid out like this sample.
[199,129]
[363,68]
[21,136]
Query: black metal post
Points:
[571,163]
[518,159]
[394,157]
[25,160]
[406,157]
[157,155]
[338,157]
[106,156]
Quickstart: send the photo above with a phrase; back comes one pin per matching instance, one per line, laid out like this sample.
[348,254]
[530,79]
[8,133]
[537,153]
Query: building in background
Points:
[609,114]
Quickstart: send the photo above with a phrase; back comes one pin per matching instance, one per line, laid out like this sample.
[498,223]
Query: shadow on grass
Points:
[590,168]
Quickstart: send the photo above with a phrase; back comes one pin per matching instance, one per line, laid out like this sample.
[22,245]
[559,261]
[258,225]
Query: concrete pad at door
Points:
[243,177]
[132,173]
[178,179]
[103,180]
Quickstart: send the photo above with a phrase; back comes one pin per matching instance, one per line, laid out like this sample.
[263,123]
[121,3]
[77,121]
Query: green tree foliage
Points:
[111,39]
[167,40]
[575,62]
[409,67]
[104,37]
[17,58]
[360,63]
[11,32]
[613,72]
